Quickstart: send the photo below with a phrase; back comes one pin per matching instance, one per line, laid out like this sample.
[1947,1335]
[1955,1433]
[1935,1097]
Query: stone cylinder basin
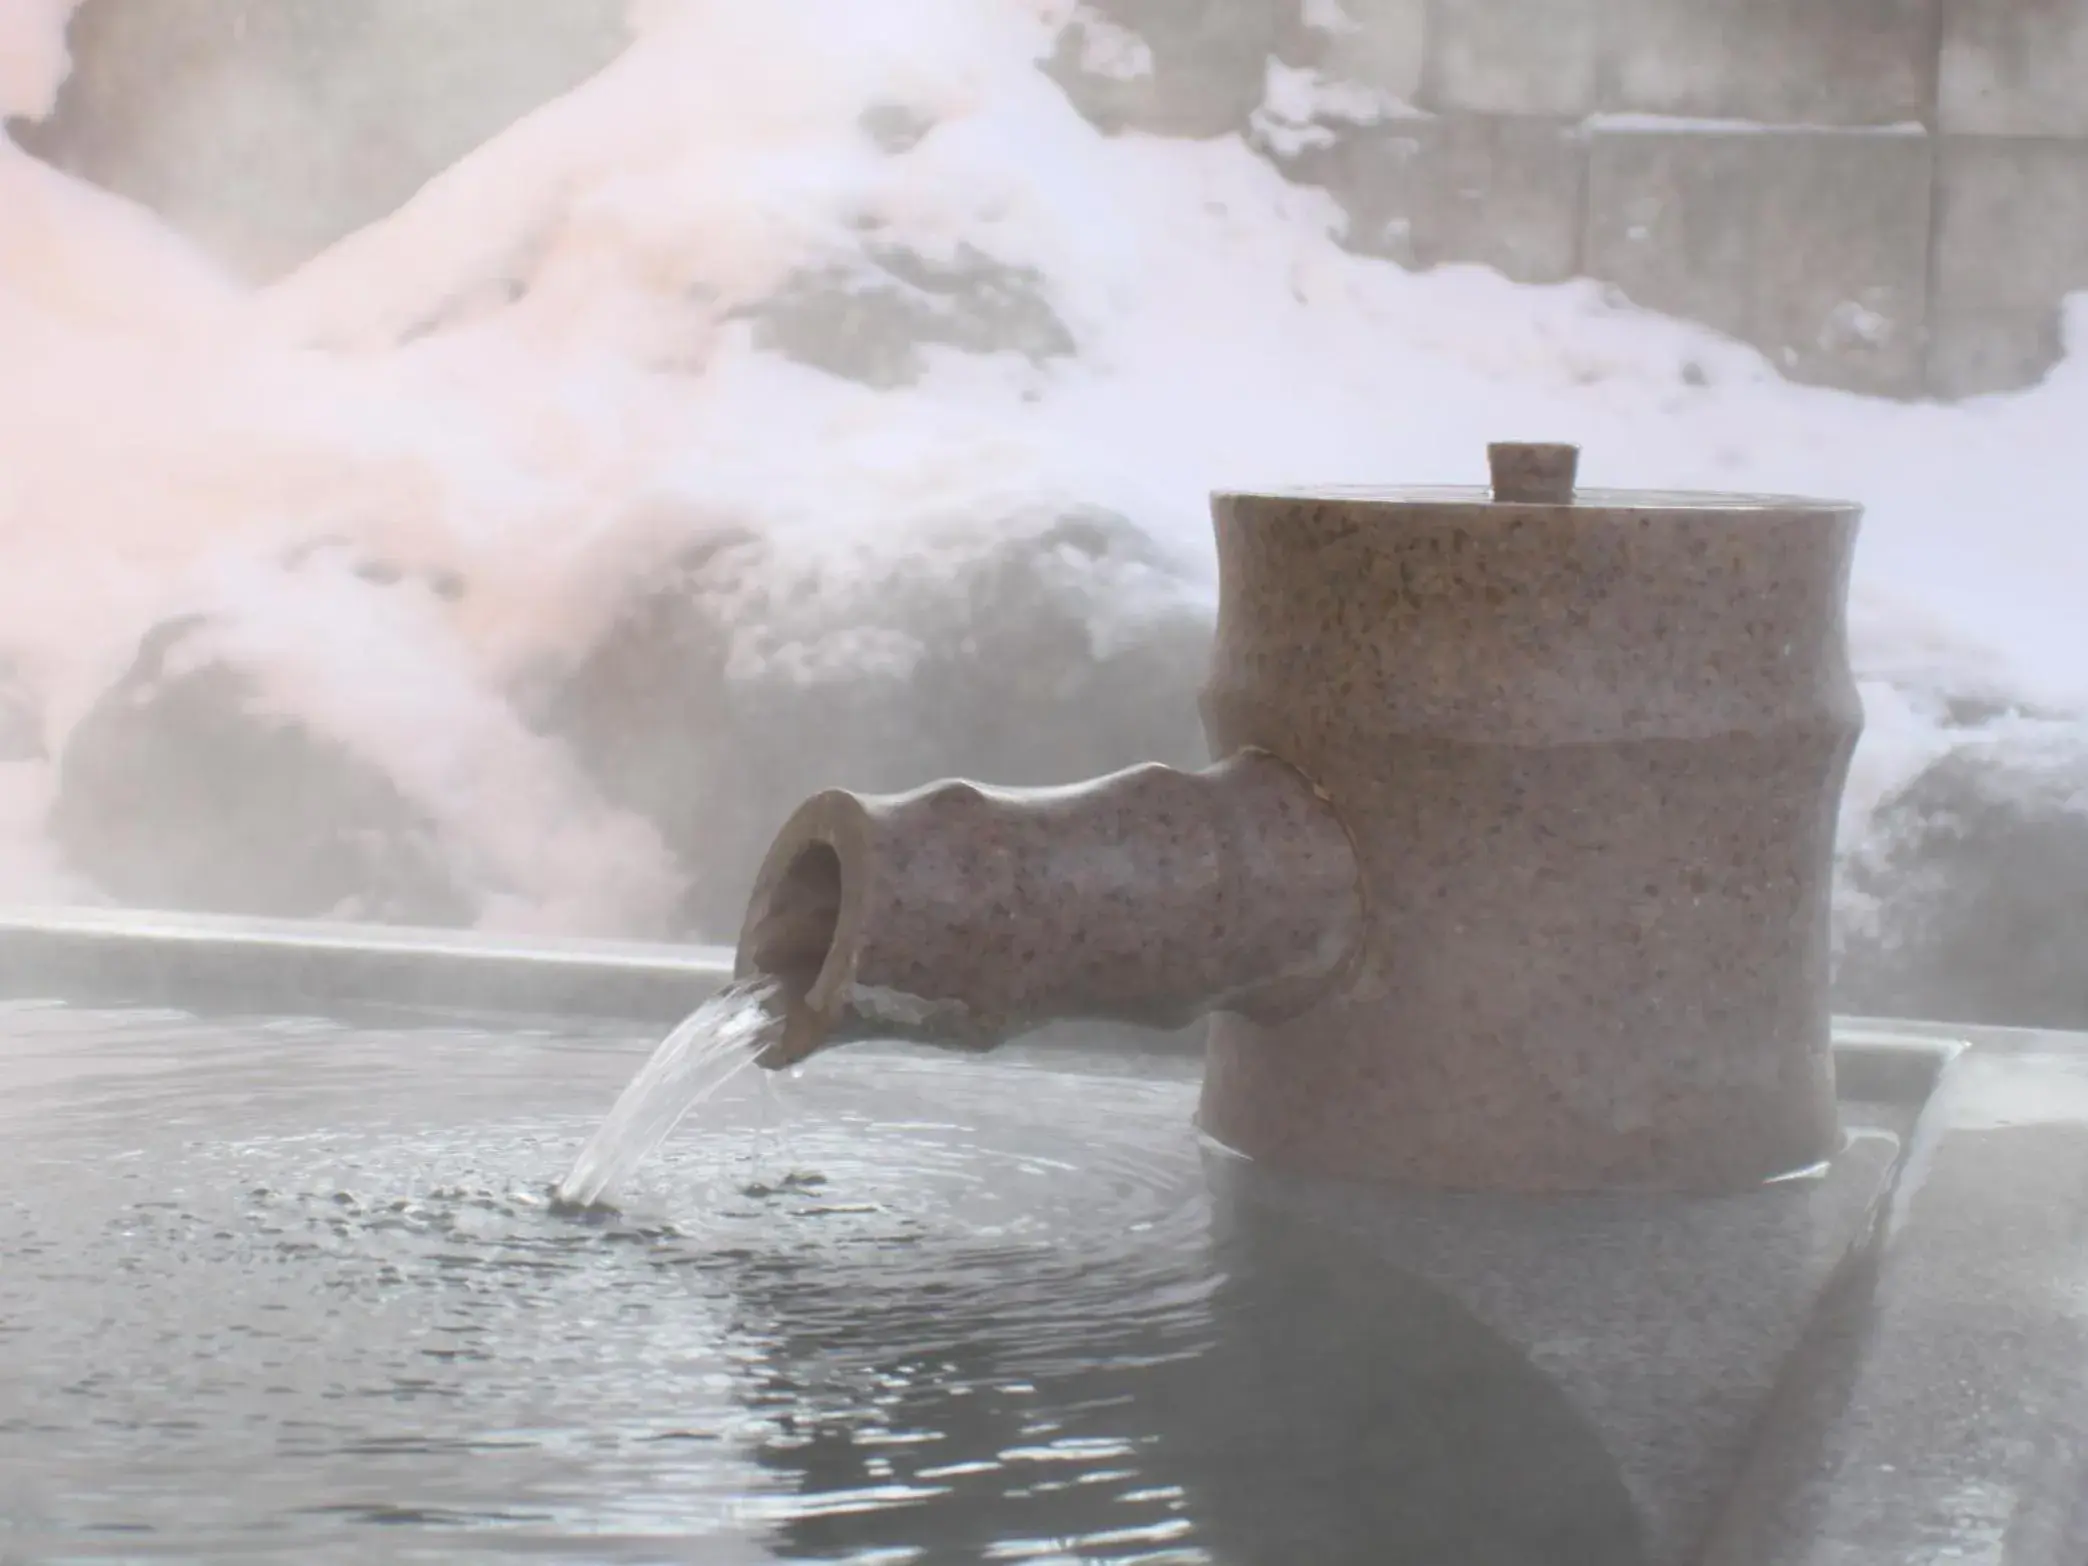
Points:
[1514,876]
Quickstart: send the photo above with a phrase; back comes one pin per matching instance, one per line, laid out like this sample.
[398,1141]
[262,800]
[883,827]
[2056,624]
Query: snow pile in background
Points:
[575,349]
[33,60]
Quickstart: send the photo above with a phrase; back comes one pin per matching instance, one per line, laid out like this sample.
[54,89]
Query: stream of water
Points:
[712,1045]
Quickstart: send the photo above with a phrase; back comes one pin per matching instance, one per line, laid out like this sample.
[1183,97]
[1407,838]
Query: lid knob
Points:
[1533,474]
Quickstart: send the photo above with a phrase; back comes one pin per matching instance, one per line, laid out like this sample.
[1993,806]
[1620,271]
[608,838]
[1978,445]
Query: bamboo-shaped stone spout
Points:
[1517,878]
[962,915]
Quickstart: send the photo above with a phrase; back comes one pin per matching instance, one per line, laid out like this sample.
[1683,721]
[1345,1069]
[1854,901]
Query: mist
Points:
[483,471]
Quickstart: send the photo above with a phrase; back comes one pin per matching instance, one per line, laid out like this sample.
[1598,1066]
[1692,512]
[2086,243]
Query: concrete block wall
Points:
[2011,187]
[1885,195]
[1811,245]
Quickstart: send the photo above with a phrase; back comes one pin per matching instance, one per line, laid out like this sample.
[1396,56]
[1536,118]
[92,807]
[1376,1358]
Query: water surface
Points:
[295,1291]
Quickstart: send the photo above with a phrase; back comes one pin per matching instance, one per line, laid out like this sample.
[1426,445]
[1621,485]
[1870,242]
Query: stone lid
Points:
[1542,474]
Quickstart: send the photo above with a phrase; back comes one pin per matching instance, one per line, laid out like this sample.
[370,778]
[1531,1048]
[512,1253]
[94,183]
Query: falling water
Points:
[711,1046]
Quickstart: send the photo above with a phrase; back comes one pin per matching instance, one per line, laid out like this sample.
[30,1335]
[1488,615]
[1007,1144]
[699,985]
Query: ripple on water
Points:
[301,1293]
[344,1276]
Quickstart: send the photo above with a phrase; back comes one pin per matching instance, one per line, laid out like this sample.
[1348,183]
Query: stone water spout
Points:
[1513,874]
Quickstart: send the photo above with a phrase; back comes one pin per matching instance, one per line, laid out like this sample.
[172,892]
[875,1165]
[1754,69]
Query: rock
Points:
[869,323]
[1429,191]
[267,132]
[21,715]
[375,569]
[1968,900]
[177,791]
[1171,67]
[1049,648]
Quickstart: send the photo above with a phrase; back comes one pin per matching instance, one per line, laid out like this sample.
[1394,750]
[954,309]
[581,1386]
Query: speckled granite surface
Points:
[1590,755]
[1941,1411]
[1514,875]
[962,914]
[1666,1322]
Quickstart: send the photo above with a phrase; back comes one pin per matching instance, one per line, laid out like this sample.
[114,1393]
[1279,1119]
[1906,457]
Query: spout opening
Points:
[792,935]
[804,921]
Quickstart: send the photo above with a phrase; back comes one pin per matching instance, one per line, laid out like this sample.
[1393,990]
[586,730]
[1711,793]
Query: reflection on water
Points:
[294,1292]
[1317,1404]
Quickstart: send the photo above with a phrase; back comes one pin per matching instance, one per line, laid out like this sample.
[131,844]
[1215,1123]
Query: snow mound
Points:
[852,278]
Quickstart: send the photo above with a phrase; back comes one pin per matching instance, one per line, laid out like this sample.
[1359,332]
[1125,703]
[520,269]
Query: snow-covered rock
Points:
[1170,67]
[1041,648]
[1968,899]
[178,789]
[21,716]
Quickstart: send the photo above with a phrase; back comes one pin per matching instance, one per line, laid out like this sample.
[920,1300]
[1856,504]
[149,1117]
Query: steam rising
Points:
[33,61]
[617,326]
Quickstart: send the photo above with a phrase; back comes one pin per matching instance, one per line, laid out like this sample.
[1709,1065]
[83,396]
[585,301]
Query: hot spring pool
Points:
[292,1290]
